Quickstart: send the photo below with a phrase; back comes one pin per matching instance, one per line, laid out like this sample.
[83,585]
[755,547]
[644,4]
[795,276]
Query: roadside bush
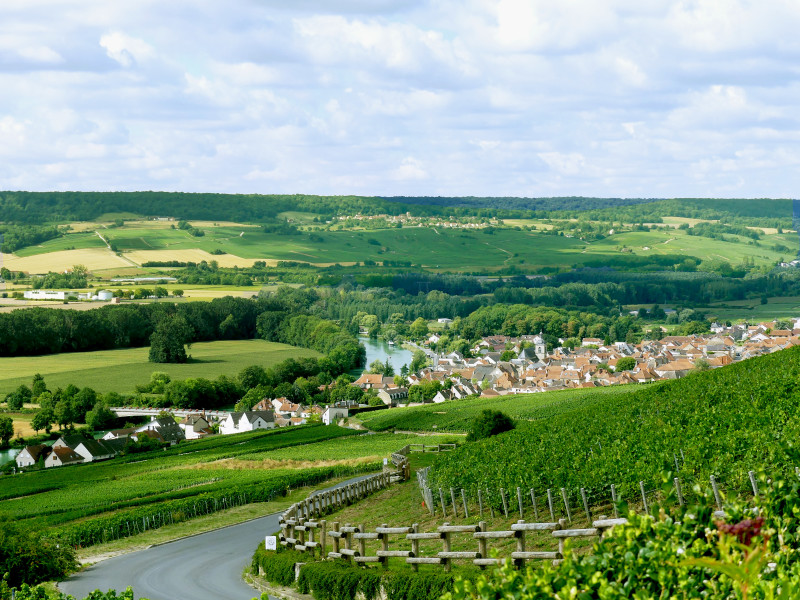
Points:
[489,423]
[29,558]
[276,567]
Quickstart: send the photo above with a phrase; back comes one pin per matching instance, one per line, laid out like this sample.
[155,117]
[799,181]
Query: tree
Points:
[701,364]
[252,376]
[64,414]
[167,344]
[160,292]
[100,417]
[177,293]
[38,385]
[18,397]
[418,361]
[626,363]
[42,420]
[419,328]
[488,424]
[6,430]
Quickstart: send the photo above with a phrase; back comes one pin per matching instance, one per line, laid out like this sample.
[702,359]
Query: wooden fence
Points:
[350,542]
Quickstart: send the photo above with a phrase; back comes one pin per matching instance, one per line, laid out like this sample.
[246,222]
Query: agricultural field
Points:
[780,307]
[440,249]
[95,502]
[120,370]
[724,422]
[457,415]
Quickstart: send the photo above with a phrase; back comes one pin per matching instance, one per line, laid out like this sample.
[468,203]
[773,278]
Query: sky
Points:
[624,98]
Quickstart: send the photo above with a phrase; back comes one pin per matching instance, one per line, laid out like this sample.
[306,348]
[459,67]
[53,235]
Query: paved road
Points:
[204,567]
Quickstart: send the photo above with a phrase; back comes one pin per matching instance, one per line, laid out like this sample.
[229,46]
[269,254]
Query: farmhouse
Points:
[238,422]
[61,456]
[30,455]
[195,426]
[166,428]
[334,413]
[392,396]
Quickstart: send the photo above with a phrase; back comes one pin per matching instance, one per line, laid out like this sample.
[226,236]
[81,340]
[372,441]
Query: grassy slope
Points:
[120,370]
[725,422]
[458,415]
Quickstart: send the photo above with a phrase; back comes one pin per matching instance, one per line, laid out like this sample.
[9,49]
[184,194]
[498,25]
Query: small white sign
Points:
[385,461]
[271,542]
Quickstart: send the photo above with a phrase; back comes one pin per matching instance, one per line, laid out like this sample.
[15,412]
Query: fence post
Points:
[505,504]
[464,501]
[441,499]
[489,498]
[586,505]
[482,549]
[519,501]
[480,503]
[535,508]
[566,504]
[448,562]
[678,490]
[415,542]
[362,543]
[550,504]
[453,499]
[644,496]
[614,500]
[323,539]
[753,482]
[385,547]
[717,496]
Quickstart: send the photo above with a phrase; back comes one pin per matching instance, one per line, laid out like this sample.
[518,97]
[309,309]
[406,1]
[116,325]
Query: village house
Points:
[62,456]
[30,455]
[195,426]
[238,422]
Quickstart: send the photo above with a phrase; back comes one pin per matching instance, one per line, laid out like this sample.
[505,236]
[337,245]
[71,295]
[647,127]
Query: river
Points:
[7,455]
[380,350]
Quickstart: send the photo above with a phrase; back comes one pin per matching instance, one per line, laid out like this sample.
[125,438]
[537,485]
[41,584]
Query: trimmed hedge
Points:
[339,580]
[276,566]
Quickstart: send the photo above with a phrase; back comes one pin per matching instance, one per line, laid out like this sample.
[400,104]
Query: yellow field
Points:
[91,258]
[192,255]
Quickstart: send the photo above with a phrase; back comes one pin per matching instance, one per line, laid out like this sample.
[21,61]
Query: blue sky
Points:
[402,97]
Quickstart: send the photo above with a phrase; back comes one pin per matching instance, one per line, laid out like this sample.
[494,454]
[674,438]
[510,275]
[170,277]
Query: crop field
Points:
[457,415]
[120,370]
[195,255]
[88,502]
[92,258]
[72,241]
[781,307]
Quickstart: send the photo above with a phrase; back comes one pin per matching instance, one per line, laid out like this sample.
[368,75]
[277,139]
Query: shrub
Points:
[488,424]
[276,567]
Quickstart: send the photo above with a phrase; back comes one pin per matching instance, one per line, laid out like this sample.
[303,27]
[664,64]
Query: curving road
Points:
[208,566]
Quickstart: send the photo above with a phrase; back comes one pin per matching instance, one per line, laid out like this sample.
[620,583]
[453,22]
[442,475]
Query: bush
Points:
[489,423]
[277,567]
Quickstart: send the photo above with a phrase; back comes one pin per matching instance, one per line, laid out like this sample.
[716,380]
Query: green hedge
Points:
[276,566]
[339,580]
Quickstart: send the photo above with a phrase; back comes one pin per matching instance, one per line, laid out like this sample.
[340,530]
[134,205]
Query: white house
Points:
[238,422]
[61,456]
[333,413]
[194,426]
[31,454]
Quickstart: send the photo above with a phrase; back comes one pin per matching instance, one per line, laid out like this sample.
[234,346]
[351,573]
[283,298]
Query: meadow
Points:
[120,370]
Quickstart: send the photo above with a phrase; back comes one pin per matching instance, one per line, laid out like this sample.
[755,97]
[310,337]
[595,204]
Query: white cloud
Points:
[478,97]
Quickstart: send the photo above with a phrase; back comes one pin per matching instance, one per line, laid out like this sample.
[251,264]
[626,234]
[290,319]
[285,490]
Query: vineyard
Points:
[92,503]
[723,423]
[457,415]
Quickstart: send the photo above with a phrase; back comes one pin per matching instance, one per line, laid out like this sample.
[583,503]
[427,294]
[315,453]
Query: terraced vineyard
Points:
[723,422]
[457,415]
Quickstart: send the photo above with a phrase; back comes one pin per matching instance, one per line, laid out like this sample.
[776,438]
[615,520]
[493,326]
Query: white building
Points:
[238,422]
[333,413]
[44,295]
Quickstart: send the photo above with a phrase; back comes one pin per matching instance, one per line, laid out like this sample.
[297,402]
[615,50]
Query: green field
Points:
[434,248]
[457,415]
[780,307]
[96,502]
[120,370]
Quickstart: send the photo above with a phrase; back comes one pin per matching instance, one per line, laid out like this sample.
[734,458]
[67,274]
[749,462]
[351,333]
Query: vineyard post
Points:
[480,503]
[482,542]
[644,496]
[453,500]
[489,498]
[519,501]
[464,501]
[335,538]
[550,504]
[677,468]
[415,541]
[441,499]
[717,496]
[535,508]
[586,505]
[614,500]
[566,504]
[505,504]
[678,490]
[753,482]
